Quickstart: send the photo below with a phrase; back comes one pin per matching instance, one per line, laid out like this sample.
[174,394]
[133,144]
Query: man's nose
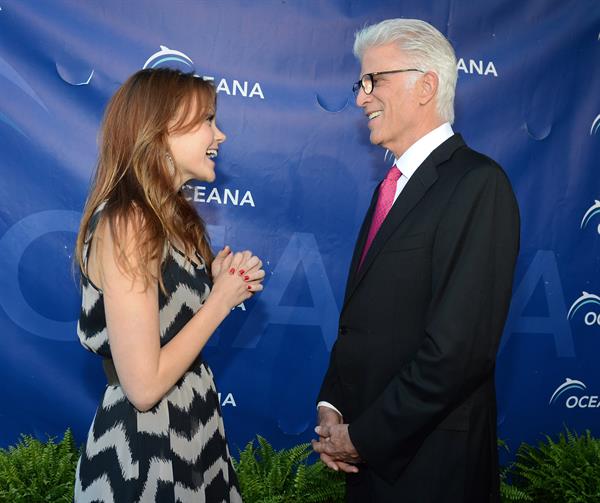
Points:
[361,98]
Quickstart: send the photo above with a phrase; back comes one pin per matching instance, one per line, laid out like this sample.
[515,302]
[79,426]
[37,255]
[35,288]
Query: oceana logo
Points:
[171,57]
[476,67]
[592,305]
[592,211]
[216,195]
[229,400]
[572,390]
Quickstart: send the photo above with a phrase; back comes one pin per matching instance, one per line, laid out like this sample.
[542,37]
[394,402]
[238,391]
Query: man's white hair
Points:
[426,48]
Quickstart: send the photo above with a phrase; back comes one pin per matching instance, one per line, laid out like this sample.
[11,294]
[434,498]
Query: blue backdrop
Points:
[294,180]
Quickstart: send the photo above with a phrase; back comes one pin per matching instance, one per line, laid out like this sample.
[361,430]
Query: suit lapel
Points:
[425,176]
[361,240]
[413,192]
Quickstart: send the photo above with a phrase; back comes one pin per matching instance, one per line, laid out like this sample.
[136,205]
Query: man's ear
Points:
[428,86]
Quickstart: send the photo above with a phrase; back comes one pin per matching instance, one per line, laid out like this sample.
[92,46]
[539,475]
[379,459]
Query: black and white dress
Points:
[175,452]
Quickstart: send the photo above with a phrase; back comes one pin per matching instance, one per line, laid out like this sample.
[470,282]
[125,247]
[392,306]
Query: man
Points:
[407,407]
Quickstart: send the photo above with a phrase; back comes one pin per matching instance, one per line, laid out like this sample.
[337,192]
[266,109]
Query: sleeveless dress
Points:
[176,452]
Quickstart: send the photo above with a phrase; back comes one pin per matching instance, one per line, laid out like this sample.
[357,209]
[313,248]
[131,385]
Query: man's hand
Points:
[329,417]
[334,445]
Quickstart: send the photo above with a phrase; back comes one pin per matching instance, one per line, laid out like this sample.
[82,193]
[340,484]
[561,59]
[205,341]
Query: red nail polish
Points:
[232,271]
[249,287]
[242,272]
[246,278]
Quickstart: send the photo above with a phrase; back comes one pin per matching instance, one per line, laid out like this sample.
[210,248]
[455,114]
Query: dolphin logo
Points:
[593,210]
[586,298]
[567,385]
[165,54]
[595,125]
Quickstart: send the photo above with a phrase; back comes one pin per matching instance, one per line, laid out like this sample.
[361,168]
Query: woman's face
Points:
[194,152]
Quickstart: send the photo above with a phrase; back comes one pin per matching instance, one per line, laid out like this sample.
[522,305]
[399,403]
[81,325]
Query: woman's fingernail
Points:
[249,287]
[246,278]
[242,272]
[232,270]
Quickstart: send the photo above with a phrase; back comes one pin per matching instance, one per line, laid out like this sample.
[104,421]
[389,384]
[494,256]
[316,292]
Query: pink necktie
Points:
[385,200]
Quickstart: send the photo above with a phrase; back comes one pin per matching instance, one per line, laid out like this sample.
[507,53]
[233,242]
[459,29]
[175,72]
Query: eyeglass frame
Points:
[359,83]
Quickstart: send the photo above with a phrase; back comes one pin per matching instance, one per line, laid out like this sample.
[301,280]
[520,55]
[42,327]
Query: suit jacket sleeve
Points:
[330,389]
[473,258]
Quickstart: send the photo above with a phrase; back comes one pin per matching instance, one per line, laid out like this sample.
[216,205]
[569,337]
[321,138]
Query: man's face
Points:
[392,107]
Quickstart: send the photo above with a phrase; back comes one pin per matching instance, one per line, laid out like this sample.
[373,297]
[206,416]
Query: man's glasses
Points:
[367,82]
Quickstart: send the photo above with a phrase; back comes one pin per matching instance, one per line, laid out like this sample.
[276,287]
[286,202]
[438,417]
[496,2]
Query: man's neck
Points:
[414,136]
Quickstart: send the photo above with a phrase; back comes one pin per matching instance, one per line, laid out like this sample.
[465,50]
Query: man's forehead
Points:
[378,58]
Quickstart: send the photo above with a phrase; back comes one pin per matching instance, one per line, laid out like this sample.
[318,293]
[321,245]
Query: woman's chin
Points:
[205,177]
[210,178]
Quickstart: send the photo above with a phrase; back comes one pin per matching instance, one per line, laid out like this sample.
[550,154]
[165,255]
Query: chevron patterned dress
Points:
[176,452]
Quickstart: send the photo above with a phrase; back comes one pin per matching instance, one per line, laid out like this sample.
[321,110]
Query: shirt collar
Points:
[408,162]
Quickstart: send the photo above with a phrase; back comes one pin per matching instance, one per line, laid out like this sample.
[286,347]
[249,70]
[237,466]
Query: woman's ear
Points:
[171,164]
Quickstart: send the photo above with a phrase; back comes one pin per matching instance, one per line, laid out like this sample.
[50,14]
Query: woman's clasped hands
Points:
[236,276]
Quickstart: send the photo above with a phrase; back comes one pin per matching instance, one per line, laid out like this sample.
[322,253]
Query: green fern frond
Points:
[36,472]
[265,451]
[510,493]
[285,476]
[566,470]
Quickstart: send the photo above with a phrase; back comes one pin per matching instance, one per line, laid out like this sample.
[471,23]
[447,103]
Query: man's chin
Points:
[375,139]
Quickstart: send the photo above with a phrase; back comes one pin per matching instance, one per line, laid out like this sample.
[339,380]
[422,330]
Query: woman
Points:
[149,305]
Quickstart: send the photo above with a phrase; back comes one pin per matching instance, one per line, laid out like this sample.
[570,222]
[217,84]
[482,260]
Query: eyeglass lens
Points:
[367,83]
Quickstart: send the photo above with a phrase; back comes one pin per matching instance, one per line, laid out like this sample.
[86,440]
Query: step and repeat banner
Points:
[294,180]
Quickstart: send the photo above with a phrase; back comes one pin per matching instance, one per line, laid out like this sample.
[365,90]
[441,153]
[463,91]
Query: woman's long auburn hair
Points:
[135,176]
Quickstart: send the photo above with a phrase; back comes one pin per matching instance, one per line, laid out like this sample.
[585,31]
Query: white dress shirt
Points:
[408,163]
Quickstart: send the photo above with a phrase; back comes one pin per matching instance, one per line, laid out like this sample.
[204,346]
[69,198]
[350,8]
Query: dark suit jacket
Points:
[412,370]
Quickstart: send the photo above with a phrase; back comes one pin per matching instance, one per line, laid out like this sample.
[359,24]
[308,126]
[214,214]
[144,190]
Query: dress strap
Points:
[111,372]
[89,235]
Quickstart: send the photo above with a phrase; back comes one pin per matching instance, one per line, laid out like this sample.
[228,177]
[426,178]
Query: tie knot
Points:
[393,174]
